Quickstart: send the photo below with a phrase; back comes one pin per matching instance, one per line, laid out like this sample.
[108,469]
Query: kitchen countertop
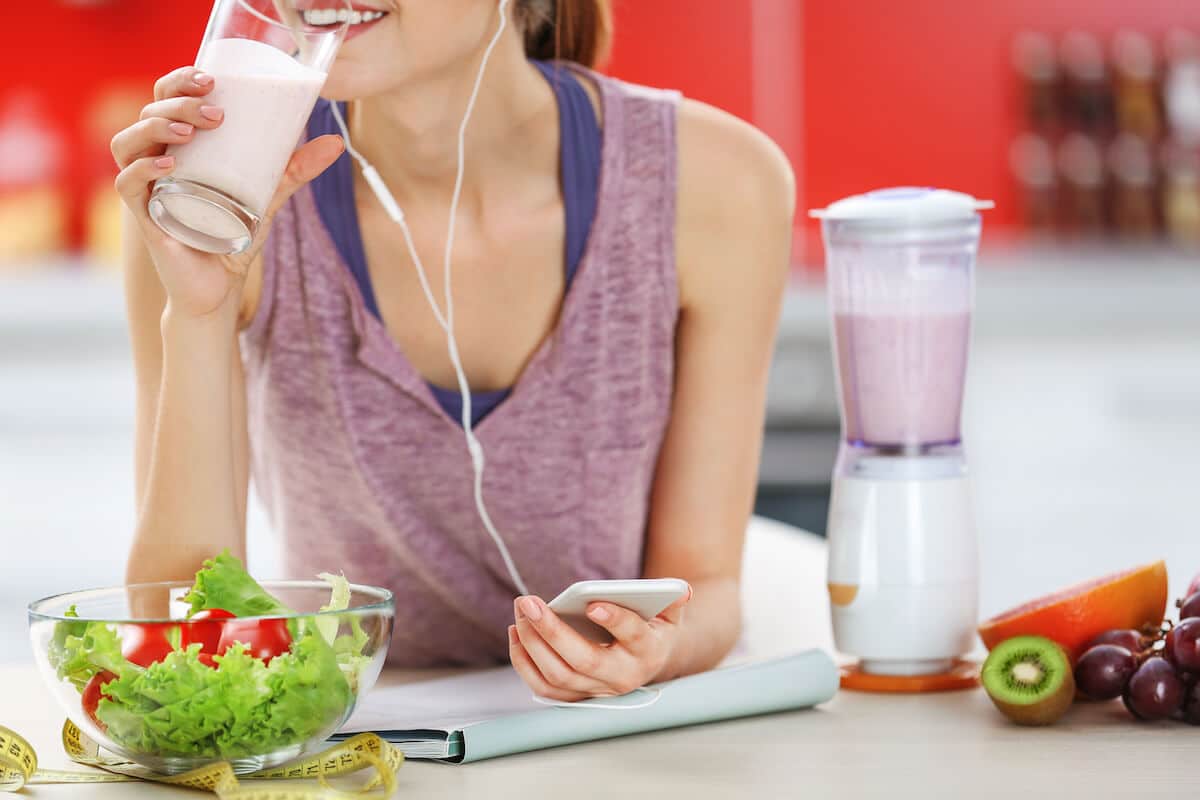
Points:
[858,745]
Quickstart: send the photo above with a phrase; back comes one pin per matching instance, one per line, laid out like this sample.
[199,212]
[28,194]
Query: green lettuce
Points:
[179,706]
[347,648]
[338,601]
[81,649]
[224,583]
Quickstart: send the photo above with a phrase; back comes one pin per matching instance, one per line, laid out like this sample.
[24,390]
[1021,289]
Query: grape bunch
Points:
[1155,671]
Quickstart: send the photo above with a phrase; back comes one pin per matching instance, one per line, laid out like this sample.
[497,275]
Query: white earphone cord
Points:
[447,321]
[654,692]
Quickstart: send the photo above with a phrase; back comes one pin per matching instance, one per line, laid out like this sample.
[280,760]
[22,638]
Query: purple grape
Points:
[1155,691]
[1191,703]
[1132,641]
[1190,607]
[1103,671]
[1183,645]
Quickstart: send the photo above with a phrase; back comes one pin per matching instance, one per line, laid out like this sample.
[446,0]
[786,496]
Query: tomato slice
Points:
[92,694]
[147,642]
[204,627]
[207,660]
[263,638]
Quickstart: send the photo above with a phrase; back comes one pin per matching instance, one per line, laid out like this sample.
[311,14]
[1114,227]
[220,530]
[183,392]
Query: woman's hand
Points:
[560,664]
[197,284]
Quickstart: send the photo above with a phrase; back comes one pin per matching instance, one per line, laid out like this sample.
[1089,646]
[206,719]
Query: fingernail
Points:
[201,78]
[212,112]
[512,634]
[180,128]
[531,608]
[166,162]
[599,613]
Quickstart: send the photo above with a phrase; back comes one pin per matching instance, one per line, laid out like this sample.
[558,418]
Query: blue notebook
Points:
[491,713]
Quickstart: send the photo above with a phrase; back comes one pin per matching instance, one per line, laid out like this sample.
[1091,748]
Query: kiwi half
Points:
[1030,680]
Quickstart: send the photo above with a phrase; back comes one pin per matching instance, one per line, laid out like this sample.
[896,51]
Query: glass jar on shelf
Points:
[33,208]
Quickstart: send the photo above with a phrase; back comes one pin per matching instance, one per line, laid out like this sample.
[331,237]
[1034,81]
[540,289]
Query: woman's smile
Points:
[330,13]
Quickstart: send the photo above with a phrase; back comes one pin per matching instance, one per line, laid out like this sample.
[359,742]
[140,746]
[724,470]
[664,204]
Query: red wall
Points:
[88,49]
[701,47]
[914,92]
[923,91]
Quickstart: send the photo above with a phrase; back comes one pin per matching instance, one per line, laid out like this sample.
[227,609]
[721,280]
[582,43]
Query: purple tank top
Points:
[361,470]
[579,162]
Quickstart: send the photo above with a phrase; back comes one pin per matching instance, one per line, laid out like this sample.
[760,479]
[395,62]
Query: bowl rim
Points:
[385,603]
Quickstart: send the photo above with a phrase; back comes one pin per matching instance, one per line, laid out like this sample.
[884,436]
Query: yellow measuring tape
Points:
[19,767]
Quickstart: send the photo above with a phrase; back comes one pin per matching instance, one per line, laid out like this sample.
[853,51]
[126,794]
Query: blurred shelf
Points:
[1023,292]
[1091,289]
[68,301]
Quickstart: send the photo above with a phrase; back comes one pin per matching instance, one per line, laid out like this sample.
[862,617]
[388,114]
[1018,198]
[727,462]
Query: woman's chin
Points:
[350,81]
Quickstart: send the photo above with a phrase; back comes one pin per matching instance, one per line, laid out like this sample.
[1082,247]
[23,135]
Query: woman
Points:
[619,261]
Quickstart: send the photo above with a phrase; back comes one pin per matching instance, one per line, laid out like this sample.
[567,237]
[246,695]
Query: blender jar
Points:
[902,549]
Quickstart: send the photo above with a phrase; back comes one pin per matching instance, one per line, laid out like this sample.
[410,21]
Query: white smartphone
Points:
[647,598]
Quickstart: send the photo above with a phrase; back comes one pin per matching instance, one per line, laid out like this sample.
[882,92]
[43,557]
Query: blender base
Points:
[960,674]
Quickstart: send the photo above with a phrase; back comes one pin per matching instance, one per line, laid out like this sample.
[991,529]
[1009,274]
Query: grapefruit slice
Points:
[1076,615]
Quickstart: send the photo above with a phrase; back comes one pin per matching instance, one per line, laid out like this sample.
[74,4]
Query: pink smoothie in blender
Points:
[902,376]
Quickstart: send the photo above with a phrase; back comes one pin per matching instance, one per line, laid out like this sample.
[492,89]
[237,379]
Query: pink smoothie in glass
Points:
[267,97]
[901,376]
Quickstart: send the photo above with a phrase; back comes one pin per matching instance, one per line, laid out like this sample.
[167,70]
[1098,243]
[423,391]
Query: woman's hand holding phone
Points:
[559,663]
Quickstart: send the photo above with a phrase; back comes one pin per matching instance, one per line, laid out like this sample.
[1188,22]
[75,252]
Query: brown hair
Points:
[570,30]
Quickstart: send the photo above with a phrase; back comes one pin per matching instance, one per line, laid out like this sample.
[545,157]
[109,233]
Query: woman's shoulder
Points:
[736,194]
[726,167]
[729,167]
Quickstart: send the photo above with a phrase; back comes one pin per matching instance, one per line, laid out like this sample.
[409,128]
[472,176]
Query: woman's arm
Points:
[733,243]
[190,471]
[733,246]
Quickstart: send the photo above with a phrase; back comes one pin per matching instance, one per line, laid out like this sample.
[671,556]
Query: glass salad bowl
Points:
[165,674]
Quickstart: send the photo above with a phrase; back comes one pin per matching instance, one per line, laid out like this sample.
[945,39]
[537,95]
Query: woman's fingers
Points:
[552,666]
[149,137]
[183,81]
[674,612]
[630,630]
[582,656]
[179,108]
[529,672]
[164,122]
[309,161]
[133,182]
[198,111]
[603,670]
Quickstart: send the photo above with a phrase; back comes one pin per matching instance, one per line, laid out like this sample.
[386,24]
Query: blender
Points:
[902,573]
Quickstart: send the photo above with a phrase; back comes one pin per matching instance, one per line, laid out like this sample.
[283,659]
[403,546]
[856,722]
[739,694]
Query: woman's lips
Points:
[322,16]
[336,5]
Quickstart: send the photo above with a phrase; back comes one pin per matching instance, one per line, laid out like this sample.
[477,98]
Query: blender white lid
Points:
[905,204]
